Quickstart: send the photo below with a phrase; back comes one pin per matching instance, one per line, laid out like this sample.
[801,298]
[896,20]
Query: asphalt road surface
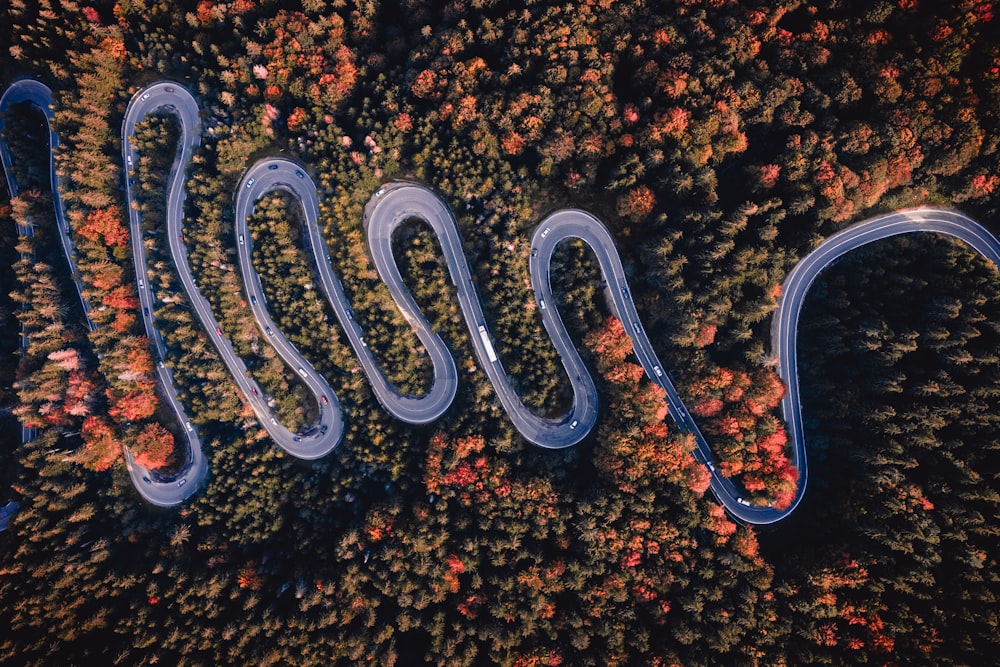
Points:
[38,95]
[158,489]
[393,205]
[314,442]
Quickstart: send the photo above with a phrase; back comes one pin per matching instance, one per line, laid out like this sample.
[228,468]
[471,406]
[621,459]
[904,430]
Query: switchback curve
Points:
[397,202]
[161,490]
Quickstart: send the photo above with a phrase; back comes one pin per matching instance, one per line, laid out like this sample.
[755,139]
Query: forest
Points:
[719,141]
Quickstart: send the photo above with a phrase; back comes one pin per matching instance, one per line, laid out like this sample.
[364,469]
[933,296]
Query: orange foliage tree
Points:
[154,446]
[637,203]
[647,453]
[105,224]
[135,406]
[735,410]
[100,447]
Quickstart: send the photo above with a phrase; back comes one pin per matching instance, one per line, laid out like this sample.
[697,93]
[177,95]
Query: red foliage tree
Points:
[121,297]
[100,447]
[154,447]
[80,394]
[749,440]
[135,406]
[706,335]
[105,225]
[610,343]
[648,453]
[637,203]
[841,618]
[296,118]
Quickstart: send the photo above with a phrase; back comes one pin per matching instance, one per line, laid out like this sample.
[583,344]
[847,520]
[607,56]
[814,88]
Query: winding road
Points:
[391,206]
[158,489]
[38,95]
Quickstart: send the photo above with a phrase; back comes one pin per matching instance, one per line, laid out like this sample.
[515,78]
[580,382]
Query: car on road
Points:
[322,430]
[625,292]
[218,330]
[541,302]
[575,422]
[534,252]
[146,480]
[169,89]
[658,371]
[241,239]
[302,372]
[274,421]
[144,97]
[272,167]
[268,330]
[141,284]
[145,311]
[380,192]
[128,161]
[323,400]
[182,481]
[250,183]
[254,390]
[545,232]
[253,299]
[297,438]
[743,502]
[299,174]
[635,326]
[188,426]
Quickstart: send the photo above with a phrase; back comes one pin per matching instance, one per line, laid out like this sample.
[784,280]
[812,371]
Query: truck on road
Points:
[487,343]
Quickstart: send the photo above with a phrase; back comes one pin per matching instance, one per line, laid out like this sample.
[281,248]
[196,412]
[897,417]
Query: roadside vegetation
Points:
[719,141]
